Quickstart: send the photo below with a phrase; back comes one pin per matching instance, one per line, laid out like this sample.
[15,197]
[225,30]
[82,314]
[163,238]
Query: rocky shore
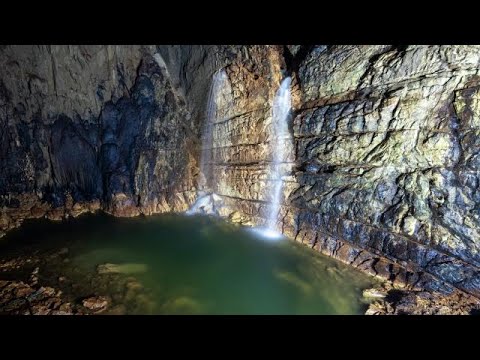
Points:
[48,285]
[387,300]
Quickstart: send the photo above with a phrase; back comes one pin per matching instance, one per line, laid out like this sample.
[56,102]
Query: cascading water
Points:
[219,81]
[280,145]
[219,97]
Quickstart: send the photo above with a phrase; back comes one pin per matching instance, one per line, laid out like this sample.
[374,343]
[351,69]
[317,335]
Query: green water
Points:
[201,265]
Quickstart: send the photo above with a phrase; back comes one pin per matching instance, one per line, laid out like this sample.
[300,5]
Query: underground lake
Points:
[171,264]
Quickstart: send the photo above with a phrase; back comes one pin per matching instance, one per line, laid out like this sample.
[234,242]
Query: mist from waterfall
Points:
[280,140]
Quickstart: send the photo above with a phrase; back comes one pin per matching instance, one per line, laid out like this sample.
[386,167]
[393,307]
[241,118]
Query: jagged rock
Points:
[379,308]
[53,303]
[3,283]
[398,302]
[40,310]
[23,290]
[236,217]
[98,303]
[41,294]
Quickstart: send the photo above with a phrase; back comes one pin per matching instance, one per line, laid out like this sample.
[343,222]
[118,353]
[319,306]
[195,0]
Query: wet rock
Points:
[121,268]
[134,286]
[40,294]
[293,280]
[47,291]
[374,293]
[117,310]
[40,309]
[60,312]
[66,308]
[100,284]
[402,302]
[23,290]
[96,303]
[376,309]
[145,304]
[14,305]
[5,298]
[52,303]
[182,305]
[209,204]
[118,297]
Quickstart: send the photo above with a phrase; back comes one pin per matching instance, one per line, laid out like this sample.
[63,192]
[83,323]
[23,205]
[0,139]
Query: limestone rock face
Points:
[89,127]
[386,156]
[385,174]
[386,160]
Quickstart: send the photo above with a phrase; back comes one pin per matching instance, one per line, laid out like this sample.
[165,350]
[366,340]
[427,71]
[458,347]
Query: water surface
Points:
[193,265]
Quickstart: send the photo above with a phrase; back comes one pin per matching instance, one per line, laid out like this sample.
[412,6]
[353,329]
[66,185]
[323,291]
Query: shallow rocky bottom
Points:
[28,288]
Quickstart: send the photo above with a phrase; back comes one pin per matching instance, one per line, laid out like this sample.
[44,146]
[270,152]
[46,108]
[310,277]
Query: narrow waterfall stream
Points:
[219,95]
[280,145]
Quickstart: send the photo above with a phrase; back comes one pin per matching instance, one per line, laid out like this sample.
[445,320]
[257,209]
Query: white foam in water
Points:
[203,204]
[280,145]
[268,234]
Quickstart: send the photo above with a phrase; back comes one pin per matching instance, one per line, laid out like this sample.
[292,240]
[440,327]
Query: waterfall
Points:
[219,89]
[280,146]
[218,104]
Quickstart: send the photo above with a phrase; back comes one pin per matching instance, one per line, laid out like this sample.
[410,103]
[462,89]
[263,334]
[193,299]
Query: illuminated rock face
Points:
[386,144]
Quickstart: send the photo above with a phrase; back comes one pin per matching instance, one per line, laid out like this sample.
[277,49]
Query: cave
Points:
[239,179]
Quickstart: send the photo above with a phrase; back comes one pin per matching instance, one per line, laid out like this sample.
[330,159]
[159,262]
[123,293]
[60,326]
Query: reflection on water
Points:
[174,264]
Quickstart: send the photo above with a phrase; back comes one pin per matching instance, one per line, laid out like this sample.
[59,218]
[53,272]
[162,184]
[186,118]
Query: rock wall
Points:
[386,172]
[387,149]
[386,163]
[91,127]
